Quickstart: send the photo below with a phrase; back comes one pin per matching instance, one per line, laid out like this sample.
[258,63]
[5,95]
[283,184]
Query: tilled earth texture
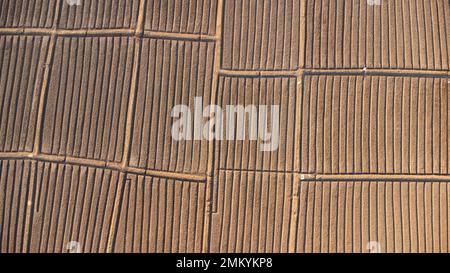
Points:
[88,163]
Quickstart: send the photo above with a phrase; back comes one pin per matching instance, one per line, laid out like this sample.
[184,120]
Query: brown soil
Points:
[86,153]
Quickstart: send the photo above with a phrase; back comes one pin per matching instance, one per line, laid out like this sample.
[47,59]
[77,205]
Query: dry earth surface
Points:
[86,153]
